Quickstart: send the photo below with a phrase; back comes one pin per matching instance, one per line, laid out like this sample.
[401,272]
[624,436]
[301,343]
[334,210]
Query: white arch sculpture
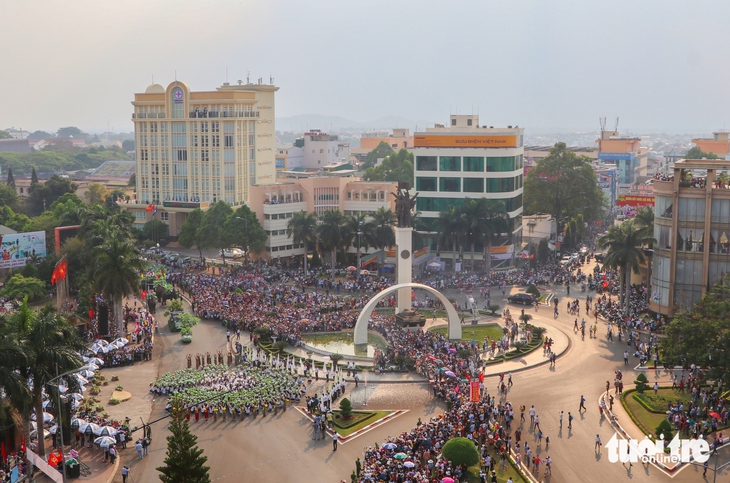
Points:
[361,326]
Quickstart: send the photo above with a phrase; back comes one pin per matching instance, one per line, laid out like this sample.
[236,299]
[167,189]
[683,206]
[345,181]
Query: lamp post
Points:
[58,414]
[359,234]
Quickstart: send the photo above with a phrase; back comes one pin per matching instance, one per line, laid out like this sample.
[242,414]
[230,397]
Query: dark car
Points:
[521,298]
[599,257]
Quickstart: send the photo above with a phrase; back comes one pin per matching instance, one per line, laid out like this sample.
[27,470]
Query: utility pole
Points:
[359,234]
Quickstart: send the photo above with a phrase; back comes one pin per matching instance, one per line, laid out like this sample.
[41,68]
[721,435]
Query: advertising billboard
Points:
[635,200]
[464,141]
[16,249]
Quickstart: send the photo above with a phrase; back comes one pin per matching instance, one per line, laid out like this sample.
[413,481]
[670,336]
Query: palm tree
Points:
[329,232]
[115,271]
[644,220]
[50,345]
[496,222]
[624,244]
[11,358]
[449,223]
[383,235]
[302,228]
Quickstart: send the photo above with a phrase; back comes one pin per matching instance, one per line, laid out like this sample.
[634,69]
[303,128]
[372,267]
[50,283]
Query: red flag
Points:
[22,444]
[150,208]
[91,314]
[4,453]
[144,294]
[481,377]
[54,276]
[62,269]
[54,459]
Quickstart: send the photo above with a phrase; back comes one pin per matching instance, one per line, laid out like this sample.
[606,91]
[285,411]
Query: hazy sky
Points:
[545,65]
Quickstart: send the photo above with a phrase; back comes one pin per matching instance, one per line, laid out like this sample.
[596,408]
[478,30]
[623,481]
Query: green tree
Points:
[115,267]
[450,227]
[11,178]
[128,145]
[242,229]
[8,196]
[461,452]
[543,251]
[40,135]
[132,180]
[381,151]
[96,193]
[642,383]
[33,177]
[482,220]
[14,221]
[346,408]
[564,184]
[382,235]
[185,462]
[697,153]
[70,131]
[5,135]
[644,220]
[211,228]
[19,287]
[154,230]
[43,195]
[624,243]
[190,235]
[329,232]
[395,167]
[701,336]
[302,229]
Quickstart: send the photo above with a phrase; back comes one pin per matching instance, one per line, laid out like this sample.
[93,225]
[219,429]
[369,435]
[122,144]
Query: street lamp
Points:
[58,413]
[359,234]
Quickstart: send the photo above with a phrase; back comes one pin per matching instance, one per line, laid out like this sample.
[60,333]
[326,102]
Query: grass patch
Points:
[659,403]
[642,417]
[502,474]
[359,420]
[476,332]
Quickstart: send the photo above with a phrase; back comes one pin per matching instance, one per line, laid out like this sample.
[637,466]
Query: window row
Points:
[284,248]
[469,185]
[443,204]
[279,216]
[468,163]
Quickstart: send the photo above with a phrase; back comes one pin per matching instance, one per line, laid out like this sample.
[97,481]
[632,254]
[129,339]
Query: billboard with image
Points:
[18,248]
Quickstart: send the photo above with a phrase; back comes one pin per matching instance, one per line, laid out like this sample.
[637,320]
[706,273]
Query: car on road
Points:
[566,260]
[232,253]
[521,298]
[599,257]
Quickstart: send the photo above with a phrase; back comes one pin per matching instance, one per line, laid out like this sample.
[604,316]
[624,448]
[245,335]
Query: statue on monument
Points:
[404,203]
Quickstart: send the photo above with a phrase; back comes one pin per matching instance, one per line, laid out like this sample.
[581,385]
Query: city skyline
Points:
[554,67]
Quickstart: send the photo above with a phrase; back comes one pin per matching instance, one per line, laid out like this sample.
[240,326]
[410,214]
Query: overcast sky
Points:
[546,65]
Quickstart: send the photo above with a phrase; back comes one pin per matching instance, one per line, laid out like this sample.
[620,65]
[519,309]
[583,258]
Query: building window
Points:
[505,163]
[453,122]
[450,184]
[500,185]
[426,163]
[473,185]
[475,164]
[468,122]
[450,163]
[691,209]
[164,216]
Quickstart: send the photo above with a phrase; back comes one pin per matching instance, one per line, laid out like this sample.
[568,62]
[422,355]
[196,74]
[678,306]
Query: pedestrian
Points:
[705,465]
[597,447]
[335,437]
[125,473]
[145,445]
[113,454]
[582,403]
[560,417]
[139,448]
[570,420]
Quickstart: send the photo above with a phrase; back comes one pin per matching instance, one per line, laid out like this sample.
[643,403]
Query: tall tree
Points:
[696,153]
[115,272]
[564,184]
[211,229]
[242,229]
[96,193]
[396,167]
[483,219]
[190,235]
[302,229]
[450,225]
[381,151]
[43,195]
[33,177]
[383,235]
[8,196]
[185,462]
[624,243]
[5,135]
[11,178]
[40,135]
[329,232]
[70,131]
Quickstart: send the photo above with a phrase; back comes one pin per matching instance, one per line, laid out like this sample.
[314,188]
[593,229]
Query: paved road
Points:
[280,449]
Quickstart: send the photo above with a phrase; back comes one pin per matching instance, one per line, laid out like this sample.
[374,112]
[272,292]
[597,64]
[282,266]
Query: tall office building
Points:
[196,148]
[466,160]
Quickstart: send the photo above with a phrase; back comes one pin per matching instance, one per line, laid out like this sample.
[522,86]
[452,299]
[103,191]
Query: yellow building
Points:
[718,144]
[196,148]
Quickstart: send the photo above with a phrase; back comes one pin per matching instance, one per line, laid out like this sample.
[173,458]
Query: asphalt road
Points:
[280,448]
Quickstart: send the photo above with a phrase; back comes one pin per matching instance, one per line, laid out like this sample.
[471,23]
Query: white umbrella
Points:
[47,417]
[102,342]
[77,397]
[34,434]
[32,424]
[122,340]
[105,441]
[82,380]
[106,431]
[53,429]
[87,374]
[97,361]
[77,421]
[93,367]
[89,427]
[47,403]
[85,359]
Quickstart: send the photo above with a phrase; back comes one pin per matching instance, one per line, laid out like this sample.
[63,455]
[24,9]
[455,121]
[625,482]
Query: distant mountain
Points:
[304,122]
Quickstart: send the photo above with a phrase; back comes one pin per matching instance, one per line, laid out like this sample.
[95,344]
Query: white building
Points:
[321,149]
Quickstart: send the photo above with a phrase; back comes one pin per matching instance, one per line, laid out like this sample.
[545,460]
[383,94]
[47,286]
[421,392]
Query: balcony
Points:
[148,115]
[205,114]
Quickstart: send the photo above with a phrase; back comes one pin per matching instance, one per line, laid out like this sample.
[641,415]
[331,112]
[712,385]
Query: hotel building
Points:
[196,148]
[466,160]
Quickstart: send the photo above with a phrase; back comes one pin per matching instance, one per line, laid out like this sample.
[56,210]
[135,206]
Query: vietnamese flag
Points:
[62,269]
[4,453]
[144,294]
[150,208]
[54,276]
[22,444]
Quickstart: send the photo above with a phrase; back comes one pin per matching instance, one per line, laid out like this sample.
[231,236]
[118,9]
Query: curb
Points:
[344,439]
[114,471]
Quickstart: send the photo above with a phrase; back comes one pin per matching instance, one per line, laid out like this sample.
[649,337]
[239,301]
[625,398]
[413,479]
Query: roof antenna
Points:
[248,75]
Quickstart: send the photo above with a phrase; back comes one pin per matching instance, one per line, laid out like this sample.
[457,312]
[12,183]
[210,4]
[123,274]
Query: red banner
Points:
[475,396]
[635,200]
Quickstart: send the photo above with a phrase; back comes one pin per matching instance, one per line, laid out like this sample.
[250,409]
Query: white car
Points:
[232,253]
[566,260]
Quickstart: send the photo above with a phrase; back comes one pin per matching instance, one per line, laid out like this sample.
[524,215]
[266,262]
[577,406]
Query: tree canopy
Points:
[697,153]
[701,336]
[185,462]
[381,151]
[460,451]
[5,135]
[564,184]
[396,167]
[96,193]
[70,131]
[19,287]
[43,195]
[190,235]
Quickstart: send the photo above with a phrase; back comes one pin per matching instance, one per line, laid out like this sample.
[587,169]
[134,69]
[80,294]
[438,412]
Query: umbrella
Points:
[714,415]
[105,441]
[82,380]
[364,272]
[305,320]
[434,265]
[106,431]
[351,268]
[77,397]
[47,417]
[77,422]
[122,340]
[409,464]
[447,480]
[452,351]
[390,446]
[93,367]
[449,374]
[34,434]
[102,342]
[87,374]
[400,456]
[97,361]
[88,428]
[438,361]
[53,429]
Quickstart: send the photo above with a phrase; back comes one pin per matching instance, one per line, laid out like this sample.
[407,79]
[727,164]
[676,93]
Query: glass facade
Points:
[450,163]
[426,184]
